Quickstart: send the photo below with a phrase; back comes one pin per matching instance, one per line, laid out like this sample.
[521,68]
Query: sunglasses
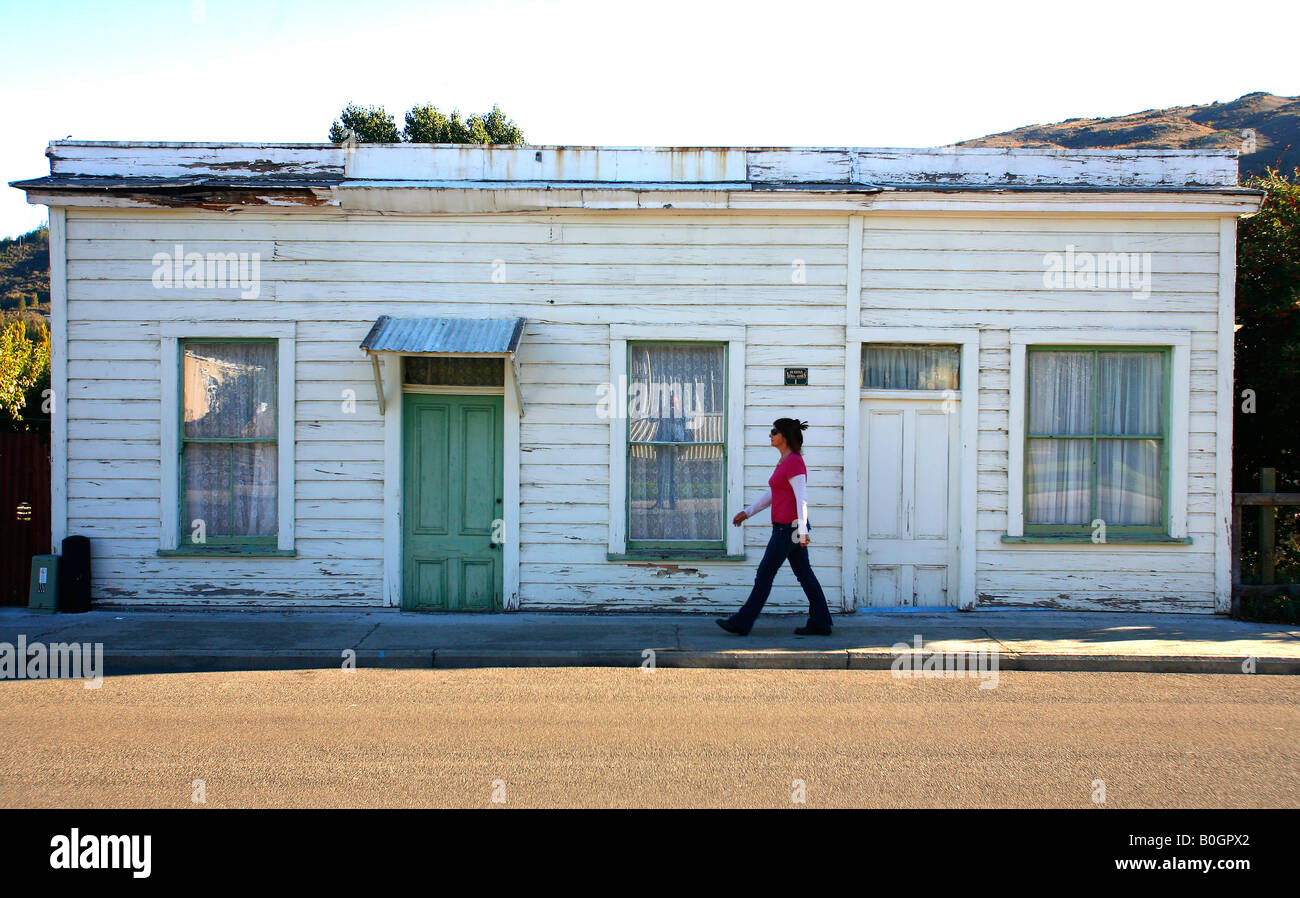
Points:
[773,432]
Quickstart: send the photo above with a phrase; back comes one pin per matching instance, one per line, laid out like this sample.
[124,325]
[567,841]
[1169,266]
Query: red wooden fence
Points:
[24,510]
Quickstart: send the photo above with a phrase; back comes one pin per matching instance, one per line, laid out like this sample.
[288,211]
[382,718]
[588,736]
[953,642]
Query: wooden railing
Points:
[1266,501]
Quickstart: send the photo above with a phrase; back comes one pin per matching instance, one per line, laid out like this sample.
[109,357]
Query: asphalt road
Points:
[667,738]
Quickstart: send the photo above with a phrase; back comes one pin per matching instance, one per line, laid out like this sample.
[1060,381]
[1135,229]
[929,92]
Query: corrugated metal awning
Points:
[490,337]
[445,336]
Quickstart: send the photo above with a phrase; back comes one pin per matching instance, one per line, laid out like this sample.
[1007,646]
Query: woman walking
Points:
[788,496]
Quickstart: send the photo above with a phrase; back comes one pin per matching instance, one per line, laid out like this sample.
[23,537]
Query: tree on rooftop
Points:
[425,123]
[366,124]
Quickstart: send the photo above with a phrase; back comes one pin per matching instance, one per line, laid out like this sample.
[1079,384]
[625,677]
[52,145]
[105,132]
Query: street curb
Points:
[1151,664]
[466,658]
[168,661]
[753,659]
[1064,662]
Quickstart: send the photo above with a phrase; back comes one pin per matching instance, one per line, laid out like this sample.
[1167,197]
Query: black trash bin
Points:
[74,575]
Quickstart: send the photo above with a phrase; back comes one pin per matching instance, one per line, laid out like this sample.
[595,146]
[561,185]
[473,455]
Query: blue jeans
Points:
[779,548]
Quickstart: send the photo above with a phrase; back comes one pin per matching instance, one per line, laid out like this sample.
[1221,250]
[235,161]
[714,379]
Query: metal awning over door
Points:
[476,337]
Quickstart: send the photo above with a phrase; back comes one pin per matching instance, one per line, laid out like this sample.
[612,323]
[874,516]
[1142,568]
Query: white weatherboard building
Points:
[450,377]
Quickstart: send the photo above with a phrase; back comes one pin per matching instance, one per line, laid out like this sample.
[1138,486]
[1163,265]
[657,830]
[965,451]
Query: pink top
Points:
[787,494]
[784,508]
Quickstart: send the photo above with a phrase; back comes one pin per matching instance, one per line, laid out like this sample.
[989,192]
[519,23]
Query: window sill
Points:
[1110,540]
[671,555]
[229,551]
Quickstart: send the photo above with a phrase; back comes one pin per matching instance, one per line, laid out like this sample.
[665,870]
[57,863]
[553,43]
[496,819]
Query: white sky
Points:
[661,73]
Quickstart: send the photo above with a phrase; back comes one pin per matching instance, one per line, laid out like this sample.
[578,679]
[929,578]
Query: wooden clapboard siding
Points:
[571,275]
[986,273]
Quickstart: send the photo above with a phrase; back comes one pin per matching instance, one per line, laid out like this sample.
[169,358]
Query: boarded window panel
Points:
[453,371]
[902,366]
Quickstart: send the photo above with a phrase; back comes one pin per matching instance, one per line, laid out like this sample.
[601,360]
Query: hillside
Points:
[25,271]
[1276,121]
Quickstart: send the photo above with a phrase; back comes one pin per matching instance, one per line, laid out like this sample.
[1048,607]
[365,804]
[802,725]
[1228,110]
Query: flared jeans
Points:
[780,548]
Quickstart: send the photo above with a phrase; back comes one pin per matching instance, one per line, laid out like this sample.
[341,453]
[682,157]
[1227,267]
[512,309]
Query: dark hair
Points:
[792,429]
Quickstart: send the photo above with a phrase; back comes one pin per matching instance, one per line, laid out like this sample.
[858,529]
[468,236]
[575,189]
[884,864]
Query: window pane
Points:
[1130,391]
[675,492]
[212,470]
[897,366]
[1060,392]
[453,372]
[256,474]
[1128,481]
[229,390]
[207,489]
[676,393]
[1058,484]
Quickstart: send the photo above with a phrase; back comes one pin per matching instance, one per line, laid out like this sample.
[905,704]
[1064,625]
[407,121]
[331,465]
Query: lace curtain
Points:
[897,366]
[676,404]
[1127,389]
[230,392]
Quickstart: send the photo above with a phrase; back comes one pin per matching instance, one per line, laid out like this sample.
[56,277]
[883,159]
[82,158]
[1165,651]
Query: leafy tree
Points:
[367,124]
[25,269]
[1268,365]
[1268,337]
[425,123]
[24,366]
[494,127]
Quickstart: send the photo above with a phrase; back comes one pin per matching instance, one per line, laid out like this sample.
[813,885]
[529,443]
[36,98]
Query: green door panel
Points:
[452,486]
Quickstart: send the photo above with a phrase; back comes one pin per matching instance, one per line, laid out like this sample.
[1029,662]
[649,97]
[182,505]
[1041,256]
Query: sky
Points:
[660,73]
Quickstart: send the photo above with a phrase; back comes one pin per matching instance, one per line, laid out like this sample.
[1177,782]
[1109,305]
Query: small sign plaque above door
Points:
[796,377]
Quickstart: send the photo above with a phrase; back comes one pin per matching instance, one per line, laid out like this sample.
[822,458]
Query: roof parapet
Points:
[759,167]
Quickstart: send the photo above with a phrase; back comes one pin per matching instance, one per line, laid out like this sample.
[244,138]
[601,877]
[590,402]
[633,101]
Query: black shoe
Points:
[812,631]
[726,624]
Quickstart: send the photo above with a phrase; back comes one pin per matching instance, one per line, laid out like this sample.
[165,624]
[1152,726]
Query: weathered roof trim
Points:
[783,168]
[182,184]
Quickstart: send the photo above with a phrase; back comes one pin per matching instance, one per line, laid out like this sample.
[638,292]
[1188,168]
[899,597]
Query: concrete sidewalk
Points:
[176,639]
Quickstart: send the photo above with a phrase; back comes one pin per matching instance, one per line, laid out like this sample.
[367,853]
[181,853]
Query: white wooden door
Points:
[908,513]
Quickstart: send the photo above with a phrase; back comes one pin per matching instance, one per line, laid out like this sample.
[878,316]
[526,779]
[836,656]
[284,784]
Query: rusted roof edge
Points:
[106,184]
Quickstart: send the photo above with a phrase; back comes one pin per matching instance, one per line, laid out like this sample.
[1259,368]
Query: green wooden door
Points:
[452,485]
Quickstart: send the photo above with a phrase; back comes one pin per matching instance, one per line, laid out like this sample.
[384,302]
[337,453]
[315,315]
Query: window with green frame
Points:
[1096,440]
[228,452]
[676,447]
